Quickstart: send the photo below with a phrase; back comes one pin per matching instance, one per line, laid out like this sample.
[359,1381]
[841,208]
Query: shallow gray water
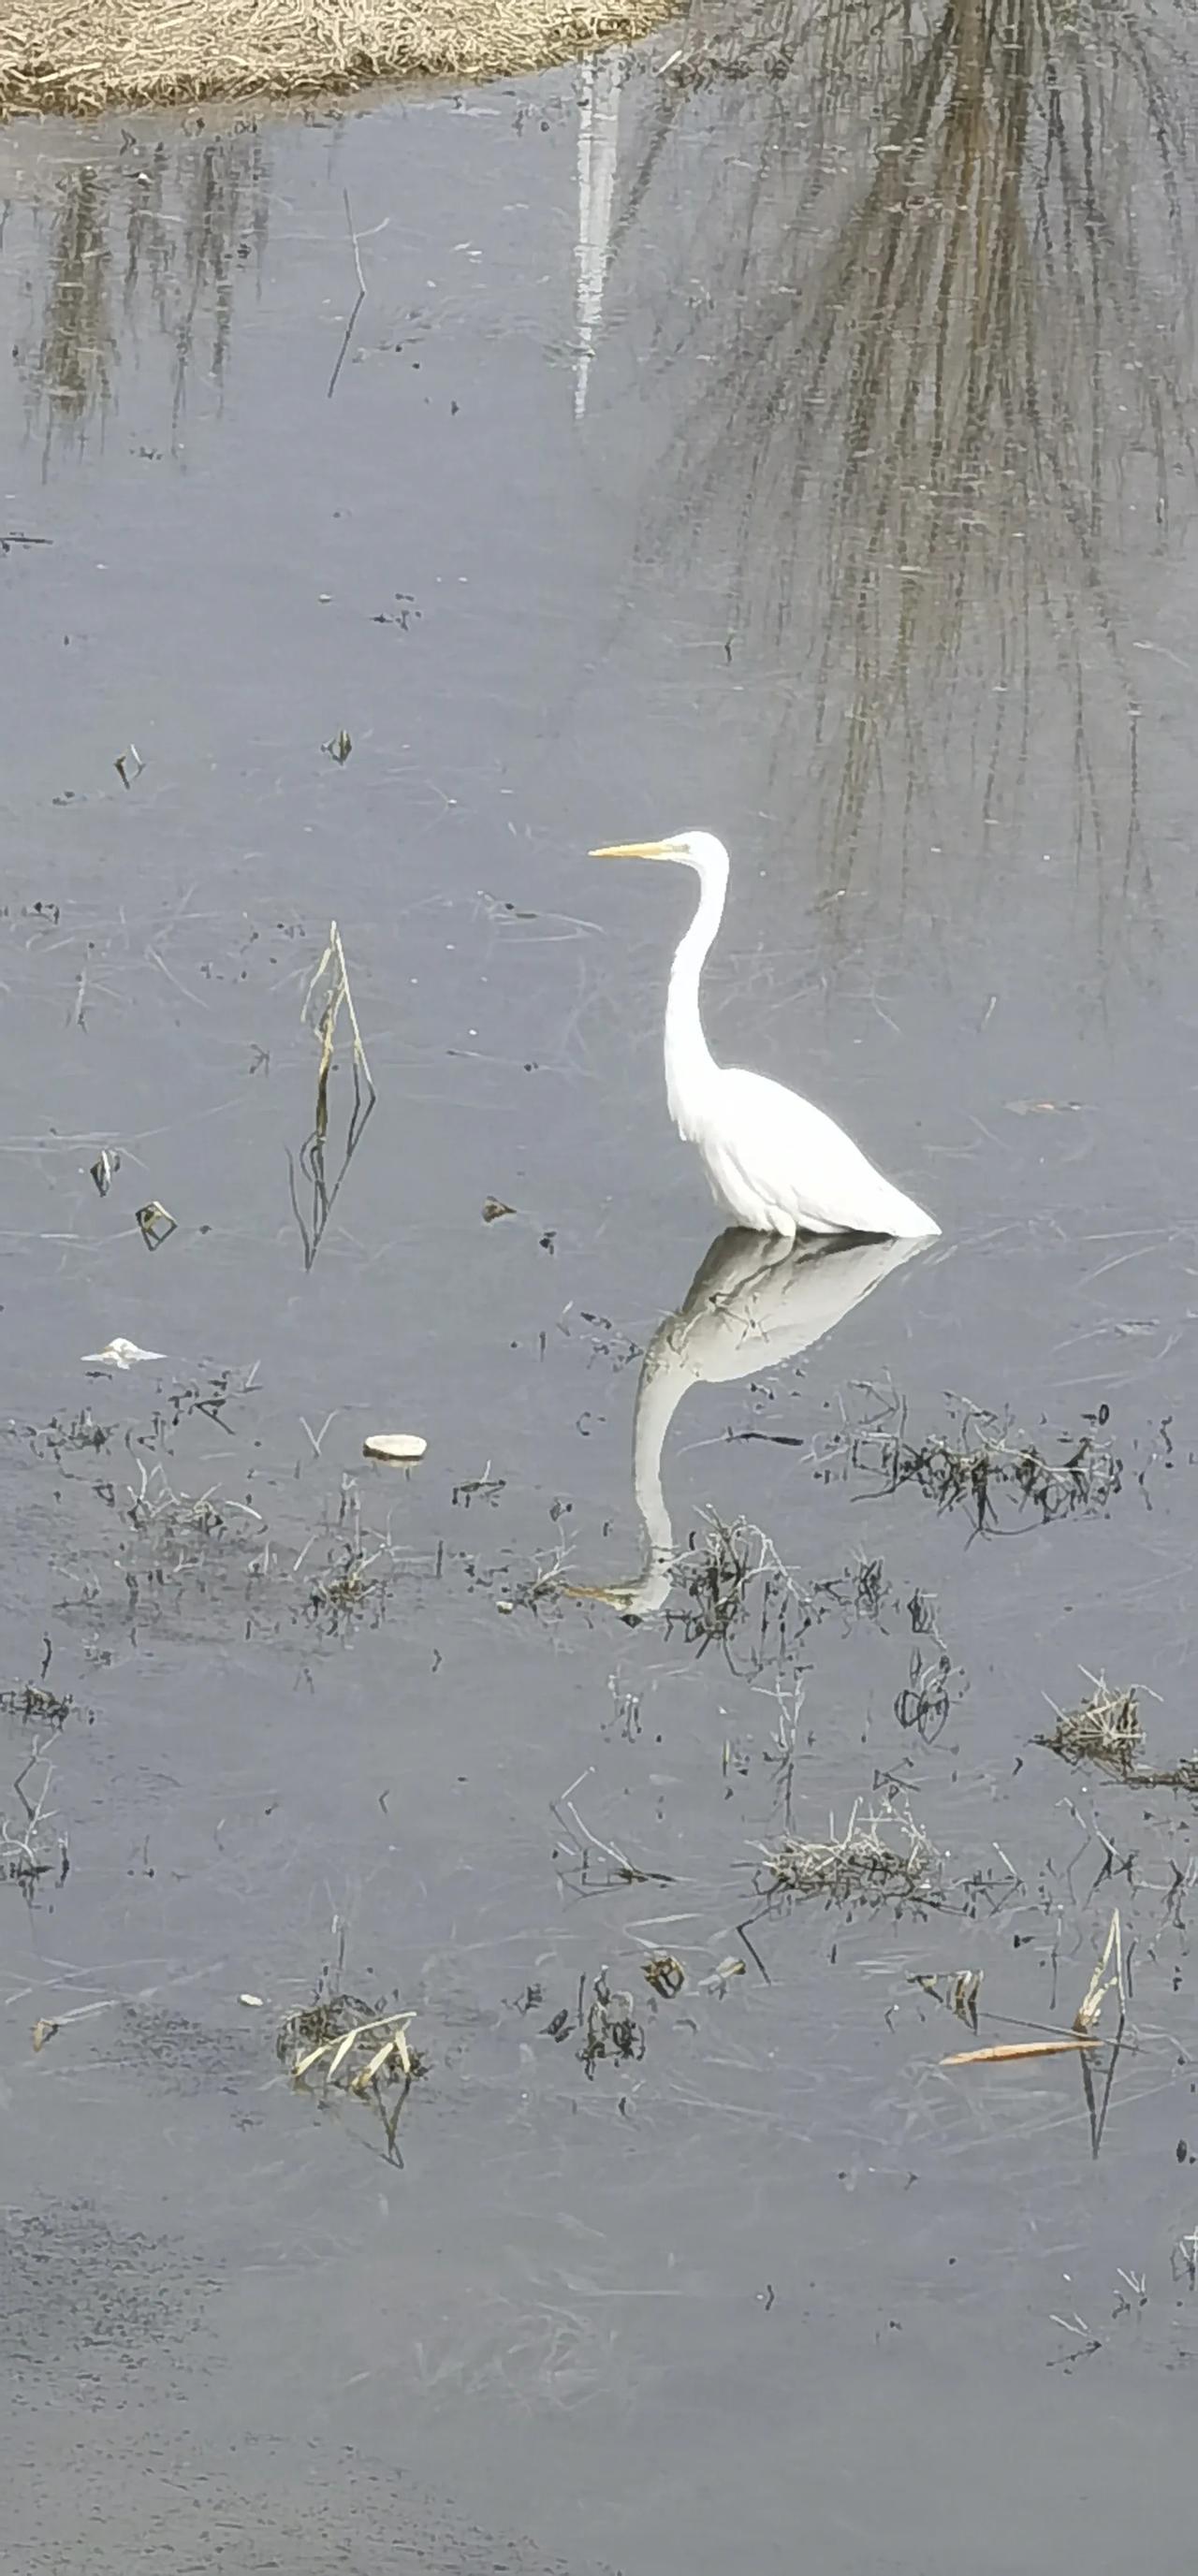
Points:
[779,2284]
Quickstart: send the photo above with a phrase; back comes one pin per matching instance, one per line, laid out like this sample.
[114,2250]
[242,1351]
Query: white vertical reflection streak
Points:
[598,138]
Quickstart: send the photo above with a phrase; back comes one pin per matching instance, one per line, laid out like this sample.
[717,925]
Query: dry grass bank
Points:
[78,56]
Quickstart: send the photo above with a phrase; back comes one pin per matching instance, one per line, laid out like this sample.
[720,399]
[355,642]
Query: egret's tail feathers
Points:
[911,1224]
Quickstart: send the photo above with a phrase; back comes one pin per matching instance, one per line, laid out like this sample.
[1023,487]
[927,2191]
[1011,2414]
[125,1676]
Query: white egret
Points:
[750,1306]
[775,1161]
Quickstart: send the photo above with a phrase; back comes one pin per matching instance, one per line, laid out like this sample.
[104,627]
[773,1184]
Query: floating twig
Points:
[1016,2048]
[625,1869]
[359,300]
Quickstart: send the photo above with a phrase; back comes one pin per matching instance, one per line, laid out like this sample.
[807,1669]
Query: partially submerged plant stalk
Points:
[1083,2037]
[393,2050]
[1088,2014]
[337,991]
[353,2049]
[958,1993]
[333,974]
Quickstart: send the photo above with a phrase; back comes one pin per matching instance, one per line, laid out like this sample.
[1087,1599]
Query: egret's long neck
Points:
[689,1063]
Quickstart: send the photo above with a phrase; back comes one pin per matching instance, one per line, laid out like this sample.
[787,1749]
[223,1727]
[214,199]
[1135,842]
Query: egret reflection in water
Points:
[754,1302]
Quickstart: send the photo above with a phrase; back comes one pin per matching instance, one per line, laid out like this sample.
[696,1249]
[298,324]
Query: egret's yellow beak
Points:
[636,850]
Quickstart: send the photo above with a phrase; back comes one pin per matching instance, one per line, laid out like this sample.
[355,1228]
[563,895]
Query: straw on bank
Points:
[78,56]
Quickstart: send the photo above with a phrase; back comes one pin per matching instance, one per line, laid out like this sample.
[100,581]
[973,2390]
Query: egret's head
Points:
[699,850]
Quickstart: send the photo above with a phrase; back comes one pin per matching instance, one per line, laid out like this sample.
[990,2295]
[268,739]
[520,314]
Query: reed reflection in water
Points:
[157,236]
[947,357]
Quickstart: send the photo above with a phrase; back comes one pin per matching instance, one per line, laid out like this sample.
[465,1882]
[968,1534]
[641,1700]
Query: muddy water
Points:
[632,502]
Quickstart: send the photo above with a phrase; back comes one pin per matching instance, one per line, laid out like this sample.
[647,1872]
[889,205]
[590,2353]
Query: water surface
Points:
[807,458]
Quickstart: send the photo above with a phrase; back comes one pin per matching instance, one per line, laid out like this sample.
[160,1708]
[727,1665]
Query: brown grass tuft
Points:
[884,1854]
[1104,1728]
[79,56]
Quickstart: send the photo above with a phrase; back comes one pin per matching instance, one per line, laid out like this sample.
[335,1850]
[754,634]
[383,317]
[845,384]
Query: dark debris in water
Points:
[31,1849]
[34,1704]
[604,2021]
[983,1465]
[738,1594]
[155,1224]
[610,2028]
[987,1468]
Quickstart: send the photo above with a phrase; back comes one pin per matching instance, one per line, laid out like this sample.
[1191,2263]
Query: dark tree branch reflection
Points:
[947,361]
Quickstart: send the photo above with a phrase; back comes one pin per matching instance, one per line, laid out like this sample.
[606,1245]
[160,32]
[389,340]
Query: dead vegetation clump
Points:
[342,2044]
[81,56]
[1182,1774]
[986,1461]
[735,1560]
[739,1595]
[1106,1728]
[31,1700]
[882,1856]
[30,1849]
[340,2035]
[610,2028]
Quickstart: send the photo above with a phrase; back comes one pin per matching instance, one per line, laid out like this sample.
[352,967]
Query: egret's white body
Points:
[750,1306]
[778,1164]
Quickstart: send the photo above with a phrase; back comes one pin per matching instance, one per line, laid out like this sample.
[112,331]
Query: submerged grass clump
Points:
[610,2028]
[882,1855]
[1105,1727]
[84,55]
[29,1846]
[345,2045]
[985,1463]
[339,2036]
[211,1544]
[31,1700]
[739,1595]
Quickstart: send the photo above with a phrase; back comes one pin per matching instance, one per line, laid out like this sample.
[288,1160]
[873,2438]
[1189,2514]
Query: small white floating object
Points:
[252,2002]
[395,1448]
[119,1354]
